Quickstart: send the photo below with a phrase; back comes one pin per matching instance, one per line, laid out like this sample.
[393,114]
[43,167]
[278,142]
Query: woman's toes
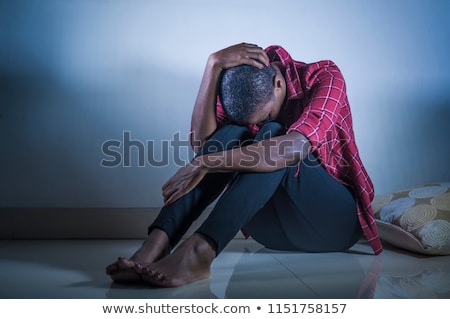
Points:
[123,271]
[139,268]
[159,277]
[147,271]
[110,269]
[151,274]
[125,263]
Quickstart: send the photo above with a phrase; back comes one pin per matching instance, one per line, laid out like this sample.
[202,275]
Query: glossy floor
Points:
[75,269]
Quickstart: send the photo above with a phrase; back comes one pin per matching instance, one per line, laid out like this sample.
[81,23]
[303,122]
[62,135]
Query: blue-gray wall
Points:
[75,75]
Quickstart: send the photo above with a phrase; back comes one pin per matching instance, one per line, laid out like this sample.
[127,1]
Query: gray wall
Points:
[77,74]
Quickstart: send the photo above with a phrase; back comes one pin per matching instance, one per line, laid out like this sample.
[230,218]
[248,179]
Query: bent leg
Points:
[192,259]
[266,227]
[174,220]
[248,194]
[316,213]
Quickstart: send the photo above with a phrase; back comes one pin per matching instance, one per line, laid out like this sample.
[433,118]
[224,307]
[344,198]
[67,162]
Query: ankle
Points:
[159,238]
[206,245]
[154,247]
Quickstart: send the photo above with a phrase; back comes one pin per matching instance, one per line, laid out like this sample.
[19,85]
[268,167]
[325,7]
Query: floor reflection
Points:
[301,275]
[425,280]
[75,269]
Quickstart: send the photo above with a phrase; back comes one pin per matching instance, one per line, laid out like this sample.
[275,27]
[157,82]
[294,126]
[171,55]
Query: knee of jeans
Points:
[268,130]
[225,138]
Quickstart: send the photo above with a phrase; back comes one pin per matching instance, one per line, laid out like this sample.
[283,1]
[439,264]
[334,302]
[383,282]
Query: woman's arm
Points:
[203,121]
[264,156]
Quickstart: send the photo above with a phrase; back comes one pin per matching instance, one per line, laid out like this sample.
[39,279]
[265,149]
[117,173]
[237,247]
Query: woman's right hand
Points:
[243,53]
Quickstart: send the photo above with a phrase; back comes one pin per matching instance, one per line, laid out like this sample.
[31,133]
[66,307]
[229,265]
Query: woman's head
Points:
[244,90]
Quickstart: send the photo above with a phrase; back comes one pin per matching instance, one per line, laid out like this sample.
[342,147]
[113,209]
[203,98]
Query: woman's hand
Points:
[243,53]
[183,181]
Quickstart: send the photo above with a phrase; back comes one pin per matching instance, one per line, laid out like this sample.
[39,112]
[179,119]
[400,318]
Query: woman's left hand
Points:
[183,181]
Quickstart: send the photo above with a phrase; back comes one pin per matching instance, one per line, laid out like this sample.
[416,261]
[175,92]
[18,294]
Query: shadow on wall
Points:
[427,144]
[411,143]
[51,136]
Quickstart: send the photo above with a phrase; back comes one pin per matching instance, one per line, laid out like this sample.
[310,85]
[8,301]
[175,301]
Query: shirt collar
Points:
[294,89]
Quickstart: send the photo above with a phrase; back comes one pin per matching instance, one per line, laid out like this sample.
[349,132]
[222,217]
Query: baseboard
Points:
[79,223]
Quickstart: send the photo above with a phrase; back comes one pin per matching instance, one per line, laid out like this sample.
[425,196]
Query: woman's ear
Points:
[278,83]
[279,89]
[278,79]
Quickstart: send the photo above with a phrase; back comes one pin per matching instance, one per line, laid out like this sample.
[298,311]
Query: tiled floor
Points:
[75,269]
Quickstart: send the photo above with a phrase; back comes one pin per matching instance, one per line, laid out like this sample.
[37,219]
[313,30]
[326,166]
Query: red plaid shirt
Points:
[317,107]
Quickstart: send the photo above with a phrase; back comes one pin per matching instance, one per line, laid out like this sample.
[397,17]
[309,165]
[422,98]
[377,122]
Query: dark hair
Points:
[244,89]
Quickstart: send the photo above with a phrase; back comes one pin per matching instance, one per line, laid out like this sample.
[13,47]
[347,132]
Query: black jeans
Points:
[300,209]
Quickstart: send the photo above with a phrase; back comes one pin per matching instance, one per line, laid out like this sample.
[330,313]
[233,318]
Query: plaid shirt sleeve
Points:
[326,119]
[221,117]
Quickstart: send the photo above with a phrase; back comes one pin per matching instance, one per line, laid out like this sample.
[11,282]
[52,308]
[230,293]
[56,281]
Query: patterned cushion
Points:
[416,219]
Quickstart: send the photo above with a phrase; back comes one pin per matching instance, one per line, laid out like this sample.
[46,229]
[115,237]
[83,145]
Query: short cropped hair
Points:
[244,89]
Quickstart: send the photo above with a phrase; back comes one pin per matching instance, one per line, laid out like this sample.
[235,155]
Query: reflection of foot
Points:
[155,247]
[190,262]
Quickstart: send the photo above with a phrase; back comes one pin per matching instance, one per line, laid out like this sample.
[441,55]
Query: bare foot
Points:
[191,261]
[122,271]
[155,247]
